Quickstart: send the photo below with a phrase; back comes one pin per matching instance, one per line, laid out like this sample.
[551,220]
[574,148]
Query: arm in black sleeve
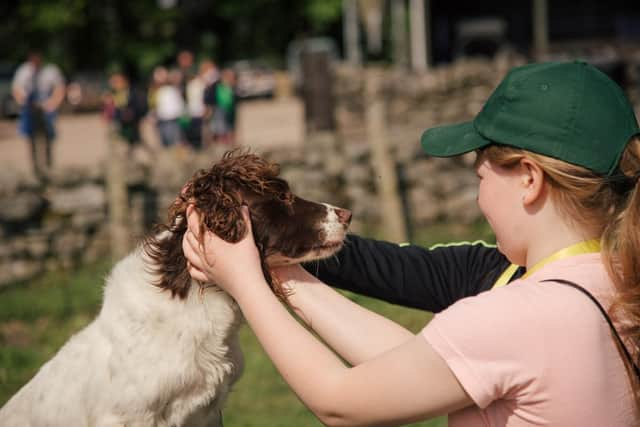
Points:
[412,276]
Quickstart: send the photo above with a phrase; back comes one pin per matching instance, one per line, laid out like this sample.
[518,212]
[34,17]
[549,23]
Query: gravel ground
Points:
[82,138]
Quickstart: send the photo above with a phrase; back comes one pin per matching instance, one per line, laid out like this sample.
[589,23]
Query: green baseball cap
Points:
[566,110]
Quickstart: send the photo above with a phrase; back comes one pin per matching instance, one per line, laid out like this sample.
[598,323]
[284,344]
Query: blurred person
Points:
[187,68]
[39,90]
[127,105]
[220,98]
[159,77]
[169,108]
[207,74]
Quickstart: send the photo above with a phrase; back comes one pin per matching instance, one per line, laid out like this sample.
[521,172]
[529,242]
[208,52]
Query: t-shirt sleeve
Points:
[412,276]
[58,77]
[20,78]
[490,354]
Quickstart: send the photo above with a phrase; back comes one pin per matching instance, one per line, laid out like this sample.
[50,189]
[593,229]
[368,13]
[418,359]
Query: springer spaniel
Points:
[164,349]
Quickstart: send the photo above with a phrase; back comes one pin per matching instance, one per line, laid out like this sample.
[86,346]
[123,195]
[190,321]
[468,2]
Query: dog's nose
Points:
[344,215]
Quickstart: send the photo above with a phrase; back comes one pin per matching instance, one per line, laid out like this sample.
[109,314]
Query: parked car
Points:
[8,105]
[483,36]
[85,91]
[254,79]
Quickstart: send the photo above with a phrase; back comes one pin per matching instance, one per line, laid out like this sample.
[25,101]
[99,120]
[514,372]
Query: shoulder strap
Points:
[606,316]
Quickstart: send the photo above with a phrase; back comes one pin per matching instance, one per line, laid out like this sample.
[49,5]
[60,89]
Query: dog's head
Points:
[286,228]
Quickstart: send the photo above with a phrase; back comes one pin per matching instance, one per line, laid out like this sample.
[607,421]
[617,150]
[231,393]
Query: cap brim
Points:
[452,140]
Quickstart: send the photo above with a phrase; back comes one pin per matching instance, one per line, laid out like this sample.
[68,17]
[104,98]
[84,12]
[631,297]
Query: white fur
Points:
[146,360]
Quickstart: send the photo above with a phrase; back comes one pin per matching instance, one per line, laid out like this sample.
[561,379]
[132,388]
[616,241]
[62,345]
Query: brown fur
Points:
[282,223]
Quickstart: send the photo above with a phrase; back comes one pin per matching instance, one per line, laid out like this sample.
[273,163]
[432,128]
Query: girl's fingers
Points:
[191,250]
[198,275]
[193,219]
[190,247]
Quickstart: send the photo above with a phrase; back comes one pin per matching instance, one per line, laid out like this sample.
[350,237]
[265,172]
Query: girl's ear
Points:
[533,182]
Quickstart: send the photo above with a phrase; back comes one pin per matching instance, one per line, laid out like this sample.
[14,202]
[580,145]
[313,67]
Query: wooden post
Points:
[540,29]
[350,32]
[117,195]
[386,179]
[419,45]
[317,90]
[372,12]
[399,32]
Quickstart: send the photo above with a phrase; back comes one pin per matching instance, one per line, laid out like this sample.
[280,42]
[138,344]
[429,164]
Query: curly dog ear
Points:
[218,193]
[219,204]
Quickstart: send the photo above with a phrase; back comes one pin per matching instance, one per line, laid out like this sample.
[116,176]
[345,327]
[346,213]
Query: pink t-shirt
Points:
[535,353]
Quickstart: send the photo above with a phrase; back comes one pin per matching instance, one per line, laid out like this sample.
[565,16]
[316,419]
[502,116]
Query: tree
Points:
[137,35]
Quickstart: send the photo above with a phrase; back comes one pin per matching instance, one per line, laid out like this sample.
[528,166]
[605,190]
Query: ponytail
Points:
[621,252]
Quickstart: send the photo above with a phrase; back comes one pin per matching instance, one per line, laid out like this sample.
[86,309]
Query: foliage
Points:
[36,318]
[135,36]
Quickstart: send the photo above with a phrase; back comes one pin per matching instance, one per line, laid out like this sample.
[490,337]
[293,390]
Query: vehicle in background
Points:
[8,105]
[480,37]
[254,79]
[85,91]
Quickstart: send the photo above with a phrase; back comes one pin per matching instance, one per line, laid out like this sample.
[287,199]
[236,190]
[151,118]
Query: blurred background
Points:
[108,107]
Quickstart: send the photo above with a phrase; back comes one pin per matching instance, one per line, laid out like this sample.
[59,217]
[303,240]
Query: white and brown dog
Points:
[164,349]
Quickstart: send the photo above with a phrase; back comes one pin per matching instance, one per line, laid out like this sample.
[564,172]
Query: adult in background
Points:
[187,68]
[39,89]
[169,108]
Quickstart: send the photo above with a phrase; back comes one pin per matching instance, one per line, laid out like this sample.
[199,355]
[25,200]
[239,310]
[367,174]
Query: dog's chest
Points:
[183,355]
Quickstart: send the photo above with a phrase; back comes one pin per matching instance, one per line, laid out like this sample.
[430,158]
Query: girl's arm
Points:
[355,333]
[407,383]
[429,279]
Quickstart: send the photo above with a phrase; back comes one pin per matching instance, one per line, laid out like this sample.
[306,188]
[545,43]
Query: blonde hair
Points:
[604,206]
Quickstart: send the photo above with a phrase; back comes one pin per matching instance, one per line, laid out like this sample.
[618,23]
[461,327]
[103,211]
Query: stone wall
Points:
[65,222]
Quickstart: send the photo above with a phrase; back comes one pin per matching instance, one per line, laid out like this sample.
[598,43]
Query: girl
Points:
[558,163]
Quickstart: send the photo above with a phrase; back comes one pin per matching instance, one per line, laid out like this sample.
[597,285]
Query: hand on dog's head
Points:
[218,194]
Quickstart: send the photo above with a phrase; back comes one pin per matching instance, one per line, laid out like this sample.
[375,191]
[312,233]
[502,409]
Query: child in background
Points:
[221,99]
[127,107]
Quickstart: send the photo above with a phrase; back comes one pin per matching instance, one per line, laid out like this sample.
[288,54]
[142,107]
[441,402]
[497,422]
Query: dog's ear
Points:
[218,194]
[164,248]
[220,203]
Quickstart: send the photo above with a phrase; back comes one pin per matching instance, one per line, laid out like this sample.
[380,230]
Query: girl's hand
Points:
[213,260]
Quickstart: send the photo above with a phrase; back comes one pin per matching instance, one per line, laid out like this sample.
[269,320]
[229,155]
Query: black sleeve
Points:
[209,96]
[412,276]
[138,103]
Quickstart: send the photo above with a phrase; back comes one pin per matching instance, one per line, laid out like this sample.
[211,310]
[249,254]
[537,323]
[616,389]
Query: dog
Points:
[164,349]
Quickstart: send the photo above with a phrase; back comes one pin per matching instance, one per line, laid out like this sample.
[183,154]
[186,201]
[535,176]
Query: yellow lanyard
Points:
[586,247]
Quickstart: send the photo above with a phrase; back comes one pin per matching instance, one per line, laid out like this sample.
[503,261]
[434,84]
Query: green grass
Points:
[36,318]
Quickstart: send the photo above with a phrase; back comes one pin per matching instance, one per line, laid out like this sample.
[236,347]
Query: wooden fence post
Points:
[117,196]
[386,179]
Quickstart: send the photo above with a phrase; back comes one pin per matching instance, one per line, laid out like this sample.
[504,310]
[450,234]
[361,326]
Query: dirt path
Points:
[82,138]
